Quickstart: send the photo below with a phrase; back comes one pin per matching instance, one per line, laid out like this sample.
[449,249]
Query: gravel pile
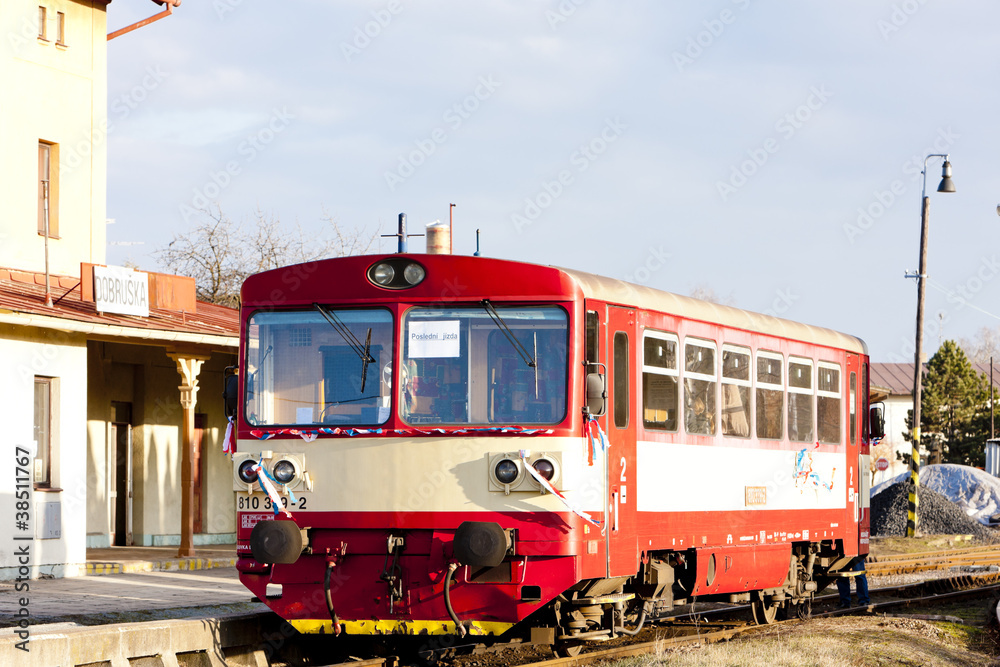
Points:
[936,515]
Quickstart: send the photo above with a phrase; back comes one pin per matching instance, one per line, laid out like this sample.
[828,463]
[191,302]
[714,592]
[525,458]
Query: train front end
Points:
[410,457]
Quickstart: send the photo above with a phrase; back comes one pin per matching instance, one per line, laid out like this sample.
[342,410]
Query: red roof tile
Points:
[20,293]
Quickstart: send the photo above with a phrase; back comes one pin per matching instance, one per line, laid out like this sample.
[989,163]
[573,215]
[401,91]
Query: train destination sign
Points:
[121,290]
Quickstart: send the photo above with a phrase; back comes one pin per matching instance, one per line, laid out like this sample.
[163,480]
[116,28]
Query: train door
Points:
[620,427]
[853,437]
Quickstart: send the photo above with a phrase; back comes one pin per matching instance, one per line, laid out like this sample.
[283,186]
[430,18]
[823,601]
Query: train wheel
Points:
[567,649]
[765,612]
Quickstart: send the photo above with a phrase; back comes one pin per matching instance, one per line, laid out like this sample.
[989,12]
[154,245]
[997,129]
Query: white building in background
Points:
[892,384]
[91,400]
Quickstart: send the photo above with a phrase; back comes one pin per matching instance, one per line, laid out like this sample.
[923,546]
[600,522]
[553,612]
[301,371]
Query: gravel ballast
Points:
[936,515]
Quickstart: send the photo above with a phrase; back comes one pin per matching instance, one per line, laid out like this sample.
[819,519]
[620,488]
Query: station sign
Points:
[121,290]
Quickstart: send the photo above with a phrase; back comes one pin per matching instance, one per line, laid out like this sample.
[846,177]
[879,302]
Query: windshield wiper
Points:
[518,346]
[363,351]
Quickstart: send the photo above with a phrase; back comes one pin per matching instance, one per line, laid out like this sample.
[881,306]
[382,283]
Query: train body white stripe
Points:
[675,477]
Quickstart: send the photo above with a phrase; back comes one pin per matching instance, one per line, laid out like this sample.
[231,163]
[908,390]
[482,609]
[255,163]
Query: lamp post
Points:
[945,186]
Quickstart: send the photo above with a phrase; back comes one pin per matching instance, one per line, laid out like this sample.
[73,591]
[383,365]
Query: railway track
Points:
[701,627]
[933,560]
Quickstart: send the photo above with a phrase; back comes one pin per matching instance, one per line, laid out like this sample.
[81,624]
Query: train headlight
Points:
[383,274]
[397,273]
[284,471]
[545,468]
[246,472]
[414,273]
[506,471]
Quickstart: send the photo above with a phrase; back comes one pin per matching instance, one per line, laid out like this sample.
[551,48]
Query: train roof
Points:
[304,283]
[618,291]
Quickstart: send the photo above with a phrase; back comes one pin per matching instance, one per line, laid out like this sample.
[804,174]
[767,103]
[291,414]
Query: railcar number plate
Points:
[258,501]
[756,496]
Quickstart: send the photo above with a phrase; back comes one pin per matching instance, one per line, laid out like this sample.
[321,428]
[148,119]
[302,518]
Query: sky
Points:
[769,153]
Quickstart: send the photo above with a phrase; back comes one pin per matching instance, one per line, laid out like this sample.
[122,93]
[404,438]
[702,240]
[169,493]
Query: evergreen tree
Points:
[953,403]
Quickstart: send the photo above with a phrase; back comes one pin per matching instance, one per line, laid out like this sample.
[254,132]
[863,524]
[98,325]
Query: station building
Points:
[109,374]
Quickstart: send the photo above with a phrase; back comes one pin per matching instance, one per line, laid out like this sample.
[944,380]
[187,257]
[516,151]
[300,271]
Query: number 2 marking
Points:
[624,466]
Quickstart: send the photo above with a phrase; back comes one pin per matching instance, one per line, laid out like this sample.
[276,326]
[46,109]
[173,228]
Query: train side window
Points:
[699,386]
[621,379]
[736,391]
[770,396]
[593,327]
[854,408]
[828,402]
[800,400]
[864,402]
[659,380]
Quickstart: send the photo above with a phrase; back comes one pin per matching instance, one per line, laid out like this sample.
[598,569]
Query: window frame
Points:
[839,395]
[748,352]
[770,386]
[43,23]
[43,450]
[659,370]
[60,29]
[708,344]
[50,170]
[626,368]
[802,391]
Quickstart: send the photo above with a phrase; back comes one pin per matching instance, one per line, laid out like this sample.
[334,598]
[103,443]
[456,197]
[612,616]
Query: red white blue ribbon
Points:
[269,486]
[596,437]
[547,485]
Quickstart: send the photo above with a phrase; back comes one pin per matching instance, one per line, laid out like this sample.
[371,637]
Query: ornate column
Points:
[188,365]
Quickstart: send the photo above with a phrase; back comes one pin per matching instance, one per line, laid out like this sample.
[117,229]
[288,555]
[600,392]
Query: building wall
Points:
[61,94]
[893,446]
[148,379]
[24,354]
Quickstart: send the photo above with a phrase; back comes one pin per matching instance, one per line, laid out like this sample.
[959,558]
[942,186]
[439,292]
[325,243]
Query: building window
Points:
[42,23]
[60,28]
[48,188]
[43,432]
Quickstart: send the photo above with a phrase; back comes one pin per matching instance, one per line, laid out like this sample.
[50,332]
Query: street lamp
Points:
[945,186]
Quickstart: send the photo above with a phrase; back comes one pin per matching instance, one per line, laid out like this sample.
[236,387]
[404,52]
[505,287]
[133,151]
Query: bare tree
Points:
[983,346]
[707,293]
[220,253]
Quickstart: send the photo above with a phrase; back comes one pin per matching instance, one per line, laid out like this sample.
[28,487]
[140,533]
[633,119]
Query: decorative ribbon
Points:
[269,484]
[229,441]
[545,484]
[596,437]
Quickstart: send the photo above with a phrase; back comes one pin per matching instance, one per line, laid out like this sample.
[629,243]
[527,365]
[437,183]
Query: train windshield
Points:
[484,364]
[320,366]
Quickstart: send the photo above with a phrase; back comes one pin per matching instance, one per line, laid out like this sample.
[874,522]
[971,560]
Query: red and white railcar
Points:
[471,445]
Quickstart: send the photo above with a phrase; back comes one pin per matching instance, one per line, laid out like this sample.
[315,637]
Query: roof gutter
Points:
[153,336]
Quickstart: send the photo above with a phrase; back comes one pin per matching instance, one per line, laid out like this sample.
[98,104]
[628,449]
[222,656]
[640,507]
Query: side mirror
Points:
[597,393]
[230,392]
[876,422]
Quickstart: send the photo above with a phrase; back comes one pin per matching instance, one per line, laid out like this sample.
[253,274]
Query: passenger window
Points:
[592,337]
[770,396]
[828,403]
[699,387]
[659,381]
[800,400]
[621,379]
[854,408]
[736,391]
